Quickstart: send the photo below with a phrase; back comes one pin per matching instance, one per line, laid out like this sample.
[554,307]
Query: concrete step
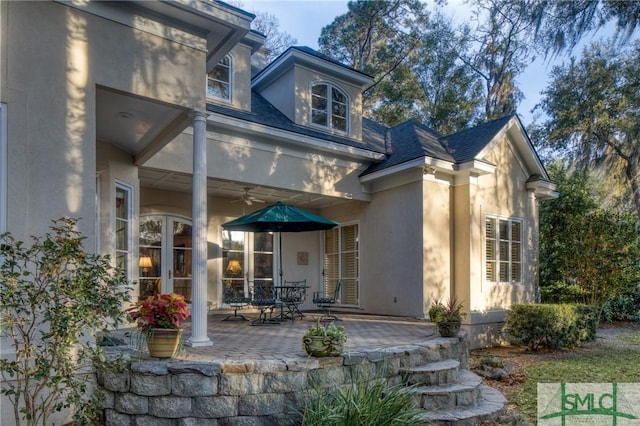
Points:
[489,406]
[433,373]
[464,393]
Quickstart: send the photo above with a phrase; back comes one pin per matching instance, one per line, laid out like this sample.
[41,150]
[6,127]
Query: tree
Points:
[276,41]
[375,37]
[593,105]
[500,52]
[588,254]
[54,297]
[560,25]
[450,92]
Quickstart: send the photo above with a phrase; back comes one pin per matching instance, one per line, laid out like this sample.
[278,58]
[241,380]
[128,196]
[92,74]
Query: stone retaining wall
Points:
[251,392]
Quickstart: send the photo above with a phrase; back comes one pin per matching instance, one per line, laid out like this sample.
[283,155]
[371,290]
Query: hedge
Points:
[550,325]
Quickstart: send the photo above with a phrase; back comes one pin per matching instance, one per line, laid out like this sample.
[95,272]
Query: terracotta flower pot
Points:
[163,342]
[321,346]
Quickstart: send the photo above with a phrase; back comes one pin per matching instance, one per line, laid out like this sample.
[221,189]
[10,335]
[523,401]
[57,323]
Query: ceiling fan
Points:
[248,198]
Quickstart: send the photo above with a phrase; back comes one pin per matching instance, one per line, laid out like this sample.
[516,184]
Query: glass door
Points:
[165,256]
[246,257]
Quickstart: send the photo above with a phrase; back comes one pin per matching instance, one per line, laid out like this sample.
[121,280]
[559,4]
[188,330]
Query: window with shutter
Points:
[503,250]
[342,263]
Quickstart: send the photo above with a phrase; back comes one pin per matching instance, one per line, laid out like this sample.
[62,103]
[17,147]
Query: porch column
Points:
[199,237]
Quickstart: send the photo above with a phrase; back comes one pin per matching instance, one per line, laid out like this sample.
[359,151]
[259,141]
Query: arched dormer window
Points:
[329,107]
[219,80]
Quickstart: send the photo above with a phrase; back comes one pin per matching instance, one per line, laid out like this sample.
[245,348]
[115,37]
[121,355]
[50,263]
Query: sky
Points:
[304,20]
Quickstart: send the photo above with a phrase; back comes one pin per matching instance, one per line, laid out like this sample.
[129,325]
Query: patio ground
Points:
[236,340]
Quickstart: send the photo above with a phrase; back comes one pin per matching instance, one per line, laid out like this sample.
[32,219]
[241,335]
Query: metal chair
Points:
[264,297]
[237,299]
[326,302]
[294,295]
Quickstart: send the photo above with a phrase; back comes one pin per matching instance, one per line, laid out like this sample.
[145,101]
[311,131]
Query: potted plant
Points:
[447,316]
[159,319]
[324,340]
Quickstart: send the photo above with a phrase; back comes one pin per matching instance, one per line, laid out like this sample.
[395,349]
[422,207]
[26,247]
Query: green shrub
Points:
[624,307]
[560,292]
[550,325]
[55,297]
[361,403]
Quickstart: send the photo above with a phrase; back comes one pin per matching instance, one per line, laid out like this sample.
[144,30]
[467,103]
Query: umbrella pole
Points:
[280,255]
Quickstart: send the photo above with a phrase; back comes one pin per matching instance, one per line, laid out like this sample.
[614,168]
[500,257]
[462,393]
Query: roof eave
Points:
[543,189]
[293,56]
[305,141]
[429,165]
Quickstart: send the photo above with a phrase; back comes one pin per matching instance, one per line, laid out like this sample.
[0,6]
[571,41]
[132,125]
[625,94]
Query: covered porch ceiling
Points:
[142,127]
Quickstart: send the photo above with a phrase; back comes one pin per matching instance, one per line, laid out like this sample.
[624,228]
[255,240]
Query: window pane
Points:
[319,117]
[319,90]
[490,228]
[504,251]
[515,231]
[491,249]
[338,123]
[516,252]
[504,272]
[516,272]
[338,96]
[491,271]
[319,103]
[504,230]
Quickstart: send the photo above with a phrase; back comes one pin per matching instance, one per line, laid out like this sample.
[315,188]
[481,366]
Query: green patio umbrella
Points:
[280,217]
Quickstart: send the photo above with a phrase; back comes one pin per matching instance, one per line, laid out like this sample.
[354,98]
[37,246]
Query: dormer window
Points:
[219,80]
[329,106]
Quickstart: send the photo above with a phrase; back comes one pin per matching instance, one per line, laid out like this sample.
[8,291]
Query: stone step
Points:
[433,373]
[490,405]
[464,393]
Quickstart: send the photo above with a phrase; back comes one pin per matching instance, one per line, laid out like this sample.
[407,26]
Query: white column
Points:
[199,237]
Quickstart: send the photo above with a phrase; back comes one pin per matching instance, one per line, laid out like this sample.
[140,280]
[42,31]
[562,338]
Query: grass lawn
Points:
[613,357]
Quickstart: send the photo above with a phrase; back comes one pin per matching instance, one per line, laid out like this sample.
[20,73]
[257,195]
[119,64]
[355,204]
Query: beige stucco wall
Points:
[50,89]
[437,228]
[281,94]
[502,194]
[391,252]
[266,162]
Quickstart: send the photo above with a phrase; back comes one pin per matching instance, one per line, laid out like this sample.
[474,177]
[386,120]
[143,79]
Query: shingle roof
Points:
[263,112]
[412,140]
[466,144]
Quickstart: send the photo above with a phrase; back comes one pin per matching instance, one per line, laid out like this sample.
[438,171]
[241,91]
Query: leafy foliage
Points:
[623,307]
[592,105]
[587,253]
[160,311]
[552,326]
[361,403]
[55,296]
[450,311]
[560,25]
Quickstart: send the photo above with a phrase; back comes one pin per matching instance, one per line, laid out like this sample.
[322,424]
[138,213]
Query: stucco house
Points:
[156,122]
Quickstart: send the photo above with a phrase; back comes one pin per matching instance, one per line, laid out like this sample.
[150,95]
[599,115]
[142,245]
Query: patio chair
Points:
[237,299]
[325,302]
[295,293]
[264,297]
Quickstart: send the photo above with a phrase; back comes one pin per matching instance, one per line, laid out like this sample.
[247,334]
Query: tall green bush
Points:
[588,253]
[550,325]
[54,297]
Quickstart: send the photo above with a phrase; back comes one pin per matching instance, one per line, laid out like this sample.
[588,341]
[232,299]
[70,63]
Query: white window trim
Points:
[130,246]
[484,249]
[340,252]
[231,83]
[3,167]
[329,128]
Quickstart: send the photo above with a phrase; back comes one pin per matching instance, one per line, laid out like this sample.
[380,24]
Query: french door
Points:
[246,257]
[165,256]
